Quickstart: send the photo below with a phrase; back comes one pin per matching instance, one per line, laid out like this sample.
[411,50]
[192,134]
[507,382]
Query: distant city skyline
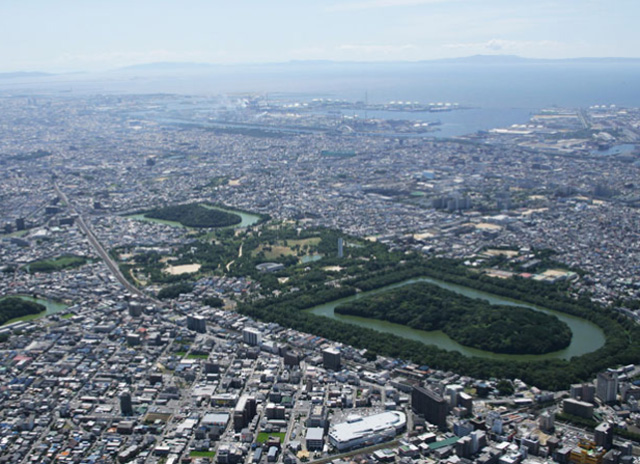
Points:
[73,35]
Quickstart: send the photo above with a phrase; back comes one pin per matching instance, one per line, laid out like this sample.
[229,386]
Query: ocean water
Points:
[514,86]
[500,94]
[457,122]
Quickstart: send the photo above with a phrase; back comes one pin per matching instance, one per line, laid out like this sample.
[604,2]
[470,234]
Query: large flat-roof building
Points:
[577,408]
[220,419]
[315,438]
[364,431]
[269,267]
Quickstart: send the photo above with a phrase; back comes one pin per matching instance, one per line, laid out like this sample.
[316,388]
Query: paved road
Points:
[97,246]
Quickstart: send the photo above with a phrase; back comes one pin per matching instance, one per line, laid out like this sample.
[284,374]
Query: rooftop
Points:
[358,427]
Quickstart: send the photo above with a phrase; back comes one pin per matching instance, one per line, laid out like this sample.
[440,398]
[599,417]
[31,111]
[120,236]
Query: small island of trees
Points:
[471,322]
[13,307]
[195,215]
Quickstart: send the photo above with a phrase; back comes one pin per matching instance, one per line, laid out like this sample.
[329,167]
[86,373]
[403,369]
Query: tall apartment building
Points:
[430,405]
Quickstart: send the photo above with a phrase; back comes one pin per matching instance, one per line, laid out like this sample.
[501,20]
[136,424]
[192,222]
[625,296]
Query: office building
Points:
[133,339]
[430,405]
[244,411]
[607,387]
[465,401]
[546,421]
[584,392]
[315,438]
[317,417]
[291,359]
[331,359]
[604,435]
[211,368]
[126,406]
[197,323]
[274,411]
[135,309]
[577,408]
[251,336]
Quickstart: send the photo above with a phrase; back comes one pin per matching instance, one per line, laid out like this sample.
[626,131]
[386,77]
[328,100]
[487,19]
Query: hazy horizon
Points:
[75,36]
[479,60]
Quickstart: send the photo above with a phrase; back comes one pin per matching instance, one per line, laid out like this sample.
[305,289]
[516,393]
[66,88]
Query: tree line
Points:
[622,345]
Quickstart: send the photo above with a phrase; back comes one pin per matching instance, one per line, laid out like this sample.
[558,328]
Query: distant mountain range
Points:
[23,75]
[490,59]
[479,60]
[169,66]
[476,59]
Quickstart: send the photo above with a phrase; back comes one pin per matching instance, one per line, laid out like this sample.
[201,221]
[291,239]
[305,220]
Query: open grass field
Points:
[273,251]
[202,454]
[264,436]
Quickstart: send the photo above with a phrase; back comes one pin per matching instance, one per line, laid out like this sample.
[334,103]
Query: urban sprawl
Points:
[115,371]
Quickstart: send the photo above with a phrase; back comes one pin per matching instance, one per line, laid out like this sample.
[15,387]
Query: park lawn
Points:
[273,251]
[202,454]
[311,241]
[264,436]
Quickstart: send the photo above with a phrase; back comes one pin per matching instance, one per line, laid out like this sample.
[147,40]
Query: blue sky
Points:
[91,35]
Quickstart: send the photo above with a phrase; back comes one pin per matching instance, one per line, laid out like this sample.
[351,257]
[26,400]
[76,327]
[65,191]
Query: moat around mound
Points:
[195,215]
[15,307]
[471,322]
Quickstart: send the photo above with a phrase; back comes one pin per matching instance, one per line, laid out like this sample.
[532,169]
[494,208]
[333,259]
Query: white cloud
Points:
[371,4]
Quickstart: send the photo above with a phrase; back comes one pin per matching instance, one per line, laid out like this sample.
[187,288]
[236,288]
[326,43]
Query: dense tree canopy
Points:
[471,322]
[213,301]
[622,344]
[194,215]
[174,291]
[13,307]
[57,264]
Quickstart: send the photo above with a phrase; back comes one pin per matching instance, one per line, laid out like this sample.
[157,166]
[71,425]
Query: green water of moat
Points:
[51,307]
[587,337]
